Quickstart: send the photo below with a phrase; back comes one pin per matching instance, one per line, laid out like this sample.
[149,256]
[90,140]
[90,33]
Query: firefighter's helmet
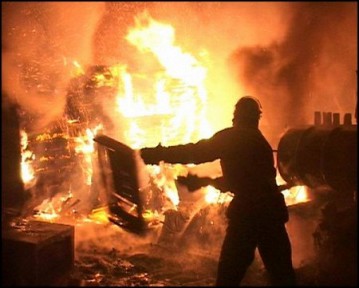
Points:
[248,107]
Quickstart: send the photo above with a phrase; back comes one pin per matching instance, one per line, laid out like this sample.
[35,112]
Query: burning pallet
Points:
[119,176]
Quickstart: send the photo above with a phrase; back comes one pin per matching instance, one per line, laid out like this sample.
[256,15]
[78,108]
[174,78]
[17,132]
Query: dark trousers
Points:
[243,236]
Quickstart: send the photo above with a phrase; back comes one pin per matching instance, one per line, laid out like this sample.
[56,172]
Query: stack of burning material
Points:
[54,160]
[55,165]
[86,93]
[173,115]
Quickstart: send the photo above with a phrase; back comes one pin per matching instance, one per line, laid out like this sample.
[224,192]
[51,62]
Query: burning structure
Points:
[160,93]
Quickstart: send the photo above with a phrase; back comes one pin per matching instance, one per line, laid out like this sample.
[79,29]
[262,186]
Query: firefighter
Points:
[257,213]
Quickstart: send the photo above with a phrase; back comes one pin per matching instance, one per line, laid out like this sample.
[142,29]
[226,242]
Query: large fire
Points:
[166,104]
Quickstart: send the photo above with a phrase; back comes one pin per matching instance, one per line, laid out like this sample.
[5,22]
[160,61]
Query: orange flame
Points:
[98,216]
[47,211]
[27,171]
[294,195]
[214,196]
[179,95]
[85,147]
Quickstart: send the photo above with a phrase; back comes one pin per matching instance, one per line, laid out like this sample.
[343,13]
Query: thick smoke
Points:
[110,45]
[40,40]
[313,68]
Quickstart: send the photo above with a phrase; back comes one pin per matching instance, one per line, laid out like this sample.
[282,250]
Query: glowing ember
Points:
[78,69]
[214,196]
[99,215]
[51,209]
[150,35]
[47,211]
[85,147]
[295,195]
[163,176]
[152,217]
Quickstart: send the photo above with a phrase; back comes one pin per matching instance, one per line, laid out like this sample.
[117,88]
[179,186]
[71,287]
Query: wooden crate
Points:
[37,253]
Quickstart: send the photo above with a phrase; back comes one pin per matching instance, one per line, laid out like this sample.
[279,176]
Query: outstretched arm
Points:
[206,150]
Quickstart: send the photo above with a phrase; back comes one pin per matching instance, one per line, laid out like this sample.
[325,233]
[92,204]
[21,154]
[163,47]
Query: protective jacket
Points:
[247,165]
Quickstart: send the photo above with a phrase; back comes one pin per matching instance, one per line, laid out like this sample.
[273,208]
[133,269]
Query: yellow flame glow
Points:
[178,93]
[295,195]
[27,171]
[85,147]
[47,211]
[214,196]
[99,215]
[174,103]
[78,70]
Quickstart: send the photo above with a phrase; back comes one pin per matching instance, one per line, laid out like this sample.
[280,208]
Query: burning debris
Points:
[61,151]
[160,97]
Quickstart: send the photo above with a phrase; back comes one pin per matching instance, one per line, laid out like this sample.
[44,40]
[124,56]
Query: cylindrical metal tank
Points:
[319,156]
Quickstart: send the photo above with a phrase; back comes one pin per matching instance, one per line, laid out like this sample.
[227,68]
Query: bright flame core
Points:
[214,196]
[178,97]
[85,147]
[27,171]
[177,104]
[294,195]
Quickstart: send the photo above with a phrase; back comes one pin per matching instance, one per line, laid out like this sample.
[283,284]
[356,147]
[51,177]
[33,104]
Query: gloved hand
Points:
[193,182]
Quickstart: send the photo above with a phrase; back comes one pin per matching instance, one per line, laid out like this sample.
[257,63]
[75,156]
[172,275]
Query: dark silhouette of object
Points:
[12,189]
[258,213]
[120,181]
[194,182]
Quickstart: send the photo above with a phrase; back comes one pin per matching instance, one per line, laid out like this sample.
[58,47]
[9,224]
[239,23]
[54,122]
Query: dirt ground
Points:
[122,259]
[106,255]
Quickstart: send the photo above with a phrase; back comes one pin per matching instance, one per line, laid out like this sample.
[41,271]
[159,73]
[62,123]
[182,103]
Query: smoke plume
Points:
[39,43]
[313,68]
[295,57]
